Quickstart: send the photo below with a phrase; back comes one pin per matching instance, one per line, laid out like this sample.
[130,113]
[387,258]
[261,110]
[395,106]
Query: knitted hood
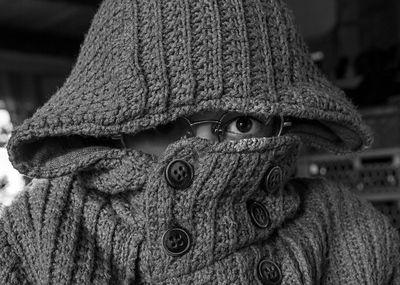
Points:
[147,62]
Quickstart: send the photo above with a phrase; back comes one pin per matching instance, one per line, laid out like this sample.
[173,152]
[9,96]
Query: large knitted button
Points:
[179,174]
[259,214]
[176,241]
[273,179]
[269,273]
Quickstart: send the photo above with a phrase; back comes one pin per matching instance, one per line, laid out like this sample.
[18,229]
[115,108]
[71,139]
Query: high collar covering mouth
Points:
[131,169]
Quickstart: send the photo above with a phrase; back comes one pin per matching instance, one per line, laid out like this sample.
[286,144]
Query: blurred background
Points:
[355,42]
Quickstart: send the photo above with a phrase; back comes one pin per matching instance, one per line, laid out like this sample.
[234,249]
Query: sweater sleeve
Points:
[364,246]
[394,260]
[10,265]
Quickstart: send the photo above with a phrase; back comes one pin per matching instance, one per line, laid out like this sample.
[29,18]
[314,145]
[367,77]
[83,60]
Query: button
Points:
[179,174]
[269,273]
[259,214]
[274,179]
[176,241]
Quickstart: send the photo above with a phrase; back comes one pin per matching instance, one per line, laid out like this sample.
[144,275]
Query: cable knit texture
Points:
[145,62]
[98,214]
[71,230]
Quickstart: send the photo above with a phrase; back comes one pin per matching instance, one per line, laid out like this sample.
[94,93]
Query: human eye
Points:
[244,127]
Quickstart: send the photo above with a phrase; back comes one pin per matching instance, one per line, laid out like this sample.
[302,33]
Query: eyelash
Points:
[228,123]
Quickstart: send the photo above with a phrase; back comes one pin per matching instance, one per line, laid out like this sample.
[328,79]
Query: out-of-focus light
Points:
[4,117]
[5,126]
[314,169]
[11,181]
[317,56]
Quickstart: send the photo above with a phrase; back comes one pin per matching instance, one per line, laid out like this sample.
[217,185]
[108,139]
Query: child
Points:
[168,158]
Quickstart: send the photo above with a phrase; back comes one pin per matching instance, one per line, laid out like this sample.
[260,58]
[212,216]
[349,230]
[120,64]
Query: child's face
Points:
[232,126]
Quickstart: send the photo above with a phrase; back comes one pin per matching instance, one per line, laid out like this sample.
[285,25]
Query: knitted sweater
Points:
[71,230]
[99,214]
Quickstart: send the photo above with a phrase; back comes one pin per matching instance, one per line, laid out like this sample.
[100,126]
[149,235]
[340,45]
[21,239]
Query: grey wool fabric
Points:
[96,213]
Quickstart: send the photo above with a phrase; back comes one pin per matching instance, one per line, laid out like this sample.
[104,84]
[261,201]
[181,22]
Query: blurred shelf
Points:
[381,197]
[373,175]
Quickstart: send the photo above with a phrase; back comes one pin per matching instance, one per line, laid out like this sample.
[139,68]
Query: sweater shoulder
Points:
[16,233]
[29,209]
[345,210]
[338,200]
[25,224]
[361,239]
